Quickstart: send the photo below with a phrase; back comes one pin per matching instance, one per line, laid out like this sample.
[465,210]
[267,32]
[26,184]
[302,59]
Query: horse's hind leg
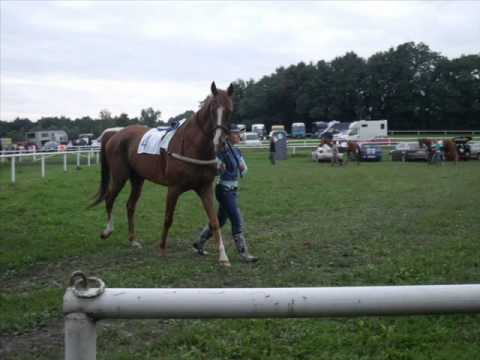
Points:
[116,185]
[137,185]
[172,197]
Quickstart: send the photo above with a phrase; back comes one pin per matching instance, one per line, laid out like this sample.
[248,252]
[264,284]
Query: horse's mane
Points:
[205,102]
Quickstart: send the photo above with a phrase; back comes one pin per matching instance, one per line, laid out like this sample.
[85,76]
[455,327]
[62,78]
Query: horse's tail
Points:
[105,171]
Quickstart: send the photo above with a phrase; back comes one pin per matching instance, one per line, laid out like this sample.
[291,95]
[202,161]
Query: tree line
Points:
[17,129]
[410,85]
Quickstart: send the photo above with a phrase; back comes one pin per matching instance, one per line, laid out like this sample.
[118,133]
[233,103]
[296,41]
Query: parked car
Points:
[409,151]
[371,152]
[324,153]
[252,139]
[50,146]
[474,149]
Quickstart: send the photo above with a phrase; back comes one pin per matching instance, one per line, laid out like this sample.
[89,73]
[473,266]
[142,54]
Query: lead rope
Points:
[193,161]
[189,159]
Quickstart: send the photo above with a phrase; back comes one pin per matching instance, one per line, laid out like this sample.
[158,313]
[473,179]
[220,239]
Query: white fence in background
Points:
[91,155]
[83,306]
[444,132]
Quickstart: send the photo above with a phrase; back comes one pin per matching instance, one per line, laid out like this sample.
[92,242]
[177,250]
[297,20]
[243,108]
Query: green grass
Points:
[382,223]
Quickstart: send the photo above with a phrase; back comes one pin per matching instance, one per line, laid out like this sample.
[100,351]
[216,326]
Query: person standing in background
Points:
[272,150]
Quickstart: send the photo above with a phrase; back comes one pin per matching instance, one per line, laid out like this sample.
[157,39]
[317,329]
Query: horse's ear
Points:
[230,90]
[214,88]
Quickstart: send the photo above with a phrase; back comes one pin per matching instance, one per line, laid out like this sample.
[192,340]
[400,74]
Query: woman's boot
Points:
[241,245]
[198,245]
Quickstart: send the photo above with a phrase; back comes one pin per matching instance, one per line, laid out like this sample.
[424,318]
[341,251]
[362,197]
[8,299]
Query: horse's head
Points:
[425,142]
[220,113]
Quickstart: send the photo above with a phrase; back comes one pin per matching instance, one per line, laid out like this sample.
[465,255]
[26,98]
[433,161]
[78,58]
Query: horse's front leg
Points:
[206,194]
[172,197]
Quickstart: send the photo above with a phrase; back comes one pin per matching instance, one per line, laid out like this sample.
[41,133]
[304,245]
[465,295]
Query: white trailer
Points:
[365,130]
[259,129]
[40,138]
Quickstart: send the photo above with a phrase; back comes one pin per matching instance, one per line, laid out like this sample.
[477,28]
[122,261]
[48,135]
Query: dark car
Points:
[50,146]
[371,152]
[409,151]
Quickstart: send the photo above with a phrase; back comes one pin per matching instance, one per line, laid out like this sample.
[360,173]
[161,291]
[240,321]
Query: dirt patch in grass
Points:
[57,275]
[45,342]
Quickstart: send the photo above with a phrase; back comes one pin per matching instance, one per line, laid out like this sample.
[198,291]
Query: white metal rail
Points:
[82,307]
[90,154]
[93,153]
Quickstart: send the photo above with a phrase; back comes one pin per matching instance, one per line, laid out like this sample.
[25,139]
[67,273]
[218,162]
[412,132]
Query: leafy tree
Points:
[410,85]
[105,114]
[348,87]
[122,120]
[185,115]
[150,117]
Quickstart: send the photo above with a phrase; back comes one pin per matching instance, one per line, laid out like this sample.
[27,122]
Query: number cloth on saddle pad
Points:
[156,139]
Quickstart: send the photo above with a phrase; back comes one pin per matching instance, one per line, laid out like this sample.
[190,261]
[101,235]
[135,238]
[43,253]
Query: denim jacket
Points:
[232,160]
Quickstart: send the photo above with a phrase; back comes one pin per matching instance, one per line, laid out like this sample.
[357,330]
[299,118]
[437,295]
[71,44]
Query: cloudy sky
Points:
[76,58]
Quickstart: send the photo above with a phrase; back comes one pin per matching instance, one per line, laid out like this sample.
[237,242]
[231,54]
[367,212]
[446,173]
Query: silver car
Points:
[474,149]
[409,151]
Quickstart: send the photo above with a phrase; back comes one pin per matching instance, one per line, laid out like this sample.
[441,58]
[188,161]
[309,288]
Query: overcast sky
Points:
[76,58]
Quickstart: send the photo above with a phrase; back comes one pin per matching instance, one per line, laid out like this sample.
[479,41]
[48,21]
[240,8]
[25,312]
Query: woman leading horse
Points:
[189,164]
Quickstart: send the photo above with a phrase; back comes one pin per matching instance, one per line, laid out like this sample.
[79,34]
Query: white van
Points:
[474,149]
[276,128]
[259,129]
[252,139]
[365,130]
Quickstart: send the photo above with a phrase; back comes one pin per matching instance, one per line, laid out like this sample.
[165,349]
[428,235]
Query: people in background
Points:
[272,150]
[438,152]
[335,154]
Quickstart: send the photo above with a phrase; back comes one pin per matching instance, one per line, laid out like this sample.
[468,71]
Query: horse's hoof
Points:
[163,252]
[225,263]
[136,244]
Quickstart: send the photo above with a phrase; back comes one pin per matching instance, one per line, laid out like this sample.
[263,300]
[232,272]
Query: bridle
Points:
[211,135]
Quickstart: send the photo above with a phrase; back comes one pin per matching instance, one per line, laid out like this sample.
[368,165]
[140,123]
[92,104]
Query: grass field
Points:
[382,223]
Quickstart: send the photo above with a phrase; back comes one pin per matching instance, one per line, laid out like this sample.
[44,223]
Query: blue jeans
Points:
[227,210]
[437,157]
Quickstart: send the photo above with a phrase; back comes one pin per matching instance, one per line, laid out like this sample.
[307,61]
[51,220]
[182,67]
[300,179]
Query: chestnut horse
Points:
[353,151]
[189,164]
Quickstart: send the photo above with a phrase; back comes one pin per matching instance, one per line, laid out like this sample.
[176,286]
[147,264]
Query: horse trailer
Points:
[40,138]
[260,130]
[365,130]
[298,130]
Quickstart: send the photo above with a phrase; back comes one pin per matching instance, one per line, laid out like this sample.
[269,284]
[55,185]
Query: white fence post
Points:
[80,337]
[65,162]
[78,159]
[88,158]
[13,169]
[43,166]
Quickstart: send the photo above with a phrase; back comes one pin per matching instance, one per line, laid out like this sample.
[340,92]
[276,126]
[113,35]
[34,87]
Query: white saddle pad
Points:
[154,140]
